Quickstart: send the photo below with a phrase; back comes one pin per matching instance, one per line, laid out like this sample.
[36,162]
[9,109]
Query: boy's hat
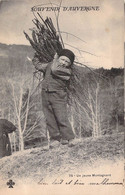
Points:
[68,53]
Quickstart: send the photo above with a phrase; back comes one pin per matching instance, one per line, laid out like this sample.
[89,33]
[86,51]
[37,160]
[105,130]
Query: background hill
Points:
[13,59]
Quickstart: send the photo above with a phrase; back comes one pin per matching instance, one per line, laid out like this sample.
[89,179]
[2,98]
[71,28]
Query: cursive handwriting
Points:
[106,181]
[57,182]
[61,181]
[42,182]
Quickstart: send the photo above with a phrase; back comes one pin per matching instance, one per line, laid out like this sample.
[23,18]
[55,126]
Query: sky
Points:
[100,32]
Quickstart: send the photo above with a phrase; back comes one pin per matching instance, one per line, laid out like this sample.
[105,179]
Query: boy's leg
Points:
[50,118]
[59,105]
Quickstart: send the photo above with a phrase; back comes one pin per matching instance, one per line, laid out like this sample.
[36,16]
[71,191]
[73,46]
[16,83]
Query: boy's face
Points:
[64,61]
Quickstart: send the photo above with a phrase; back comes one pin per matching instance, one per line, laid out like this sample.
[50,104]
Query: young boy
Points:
[54,97]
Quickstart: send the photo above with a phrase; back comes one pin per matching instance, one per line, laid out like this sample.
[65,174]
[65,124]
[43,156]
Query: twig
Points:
[80,49]
[52,6]
[92,71]
[57,20]
[72,35]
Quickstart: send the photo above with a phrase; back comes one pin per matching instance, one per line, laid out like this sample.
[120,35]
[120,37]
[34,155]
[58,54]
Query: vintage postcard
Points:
[62,97]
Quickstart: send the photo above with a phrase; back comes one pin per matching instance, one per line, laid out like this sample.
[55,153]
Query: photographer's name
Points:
[73,8]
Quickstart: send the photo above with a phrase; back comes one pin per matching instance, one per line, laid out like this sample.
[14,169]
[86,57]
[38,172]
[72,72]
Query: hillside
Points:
[13,50]
[13,58]
[91,154]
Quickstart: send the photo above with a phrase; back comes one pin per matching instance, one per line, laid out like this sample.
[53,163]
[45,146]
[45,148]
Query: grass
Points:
[35,163]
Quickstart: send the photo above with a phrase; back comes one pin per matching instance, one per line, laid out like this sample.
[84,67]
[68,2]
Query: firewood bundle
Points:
[45,40]
[46,43]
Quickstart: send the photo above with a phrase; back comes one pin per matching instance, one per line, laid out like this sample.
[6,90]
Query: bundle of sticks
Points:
[46,43]
[45,40]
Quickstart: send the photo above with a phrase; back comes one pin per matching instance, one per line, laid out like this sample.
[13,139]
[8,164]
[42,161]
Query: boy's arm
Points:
[60,71]
[38,65]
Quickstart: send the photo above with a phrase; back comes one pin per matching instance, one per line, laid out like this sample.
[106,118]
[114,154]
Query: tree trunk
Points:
[80,123]
[97,113]
[21,139]
[14,142]
[72,120]
[21,142]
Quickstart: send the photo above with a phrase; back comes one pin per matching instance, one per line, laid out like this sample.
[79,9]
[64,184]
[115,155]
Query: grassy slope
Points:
[34,163]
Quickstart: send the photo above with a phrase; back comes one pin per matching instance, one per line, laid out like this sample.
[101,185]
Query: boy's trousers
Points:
[55,110]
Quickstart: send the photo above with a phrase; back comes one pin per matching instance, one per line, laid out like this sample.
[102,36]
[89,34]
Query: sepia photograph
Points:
[62,97]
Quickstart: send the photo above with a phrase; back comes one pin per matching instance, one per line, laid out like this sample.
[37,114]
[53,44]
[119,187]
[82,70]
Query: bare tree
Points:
[22,107]
[86,110]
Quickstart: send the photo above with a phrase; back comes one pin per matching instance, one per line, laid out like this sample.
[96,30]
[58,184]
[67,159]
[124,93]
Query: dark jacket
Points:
[5,128]
[55,77]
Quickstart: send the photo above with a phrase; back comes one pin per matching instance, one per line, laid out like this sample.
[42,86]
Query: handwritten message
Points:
[91,179]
